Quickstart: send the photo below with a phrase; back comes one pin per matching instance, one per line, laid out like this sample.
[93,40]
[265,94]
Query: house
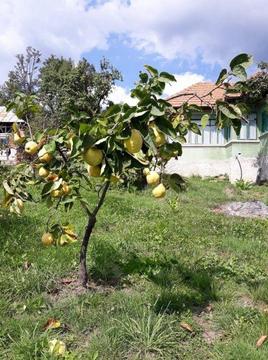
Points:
[7,150]
[222,152]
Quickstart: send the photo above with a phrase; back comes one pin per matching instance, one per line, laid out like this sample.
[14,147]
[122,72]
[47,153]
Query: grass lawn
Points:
[154,265]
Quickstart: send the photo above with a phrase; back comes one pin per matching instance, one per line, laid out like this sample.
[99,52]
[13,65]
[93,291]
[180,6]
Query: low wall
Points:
[233,159]
[206,168]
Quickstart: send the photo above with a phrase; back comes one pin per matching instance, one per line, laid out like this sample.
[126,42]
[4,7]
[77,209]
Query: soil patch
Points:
[249,209]
[204,319]
[247,302]
[71,286]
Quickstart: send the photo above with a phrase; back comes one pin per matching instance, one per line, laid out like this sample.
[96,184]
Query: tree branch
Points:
[62,154]
[29,127]
[102,197]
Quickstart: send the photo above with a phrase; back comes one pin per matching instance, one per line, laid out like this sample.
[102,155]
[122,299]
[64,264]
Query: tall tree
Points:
[24,77]
[257,85]
[68,88]
[61,87]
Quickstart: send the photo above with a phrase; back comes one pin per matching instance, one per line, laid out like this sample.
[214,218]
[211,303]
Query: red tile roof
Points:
[203,94]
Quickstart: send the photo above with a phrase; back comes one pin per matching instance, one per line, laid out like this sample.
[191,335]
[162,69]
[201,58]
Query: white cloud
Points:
[62,27]
[211,31]
[188,29]
[183,81]
[120,94]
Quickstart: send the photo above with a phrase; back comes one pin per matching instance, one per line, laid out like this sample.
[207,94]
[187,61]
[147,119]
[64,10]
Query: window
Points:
[5,128]
[209,135]
[264,121]
[3,140]
[249,129]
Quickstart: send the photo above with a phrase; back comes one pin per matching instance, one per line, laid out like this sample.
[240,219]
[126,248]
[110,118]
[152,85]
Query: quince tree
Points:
[106,147]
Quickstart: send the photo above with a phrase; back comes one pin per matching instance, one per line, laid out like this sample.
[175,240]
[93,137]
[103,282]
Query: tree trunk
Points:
[83,274]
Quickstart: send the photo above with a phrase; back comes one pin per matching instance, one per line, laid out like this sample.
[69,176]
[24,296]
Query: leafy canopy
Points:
[107,132]
[61,87]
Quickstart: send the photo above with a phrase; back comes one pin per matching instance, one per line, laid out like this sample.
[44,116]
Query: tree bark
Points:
[83,273]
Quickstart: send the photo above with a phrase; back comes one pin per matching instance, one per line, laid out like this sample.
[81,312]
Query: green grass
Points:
[154,264]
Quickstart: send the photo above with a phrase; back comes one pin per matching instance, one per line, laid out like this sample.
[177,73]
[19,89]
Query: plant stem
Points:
[29,126]
[83,274]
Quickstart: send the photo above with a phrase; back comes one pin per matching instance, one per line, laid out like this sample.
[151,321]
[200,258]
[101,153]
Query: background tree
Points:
[61,87]
[107,146]
[25,76]
[257,85]
[67,88]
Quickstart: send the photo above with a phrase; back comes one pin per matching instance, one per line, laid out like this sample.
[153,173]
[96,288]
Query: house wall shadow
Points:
[262,161]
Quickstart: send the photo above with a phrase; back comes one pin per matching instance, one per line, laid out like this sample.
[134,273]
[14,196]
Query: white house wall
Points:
[214,161]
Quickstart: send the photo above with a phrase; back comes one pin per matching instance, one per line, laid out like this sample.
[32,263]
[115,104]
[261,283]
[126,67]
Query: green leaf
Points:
[100,141]
[112,110]
[244,60]
[195,128]
[204,120]
[15,128]
[166,76]
[176,182]
[236,109]
[50,147]
[172,148]
[84,128]
[56,184]
[157,112]
[223,76]
[164,102]
[165,126]
[237,126]
[139,94]
[195,108]
[140,157]
[240,72]
[38,136]
[151,70]
[227,111]
[163,80]
[144,77]
[46,189]
[130,113]
[8,188]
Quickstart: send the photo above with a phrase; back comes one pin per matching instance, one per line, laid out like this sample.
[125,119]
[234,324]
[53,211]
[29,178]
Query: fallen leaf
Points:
[67,281]
[261,340]
[208,308]
[57,347]
[187,327]
[27,265]
[52,324]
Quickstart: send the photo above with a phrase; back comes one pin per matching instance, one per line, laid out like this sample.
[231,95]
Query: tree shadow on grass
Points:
[177,287]
[16,238]
[12,225]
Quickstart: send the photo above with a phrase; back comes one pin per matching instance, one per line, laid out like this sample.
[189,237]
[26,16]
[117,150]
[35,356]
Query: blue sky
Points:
[130,61]
[193,39]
